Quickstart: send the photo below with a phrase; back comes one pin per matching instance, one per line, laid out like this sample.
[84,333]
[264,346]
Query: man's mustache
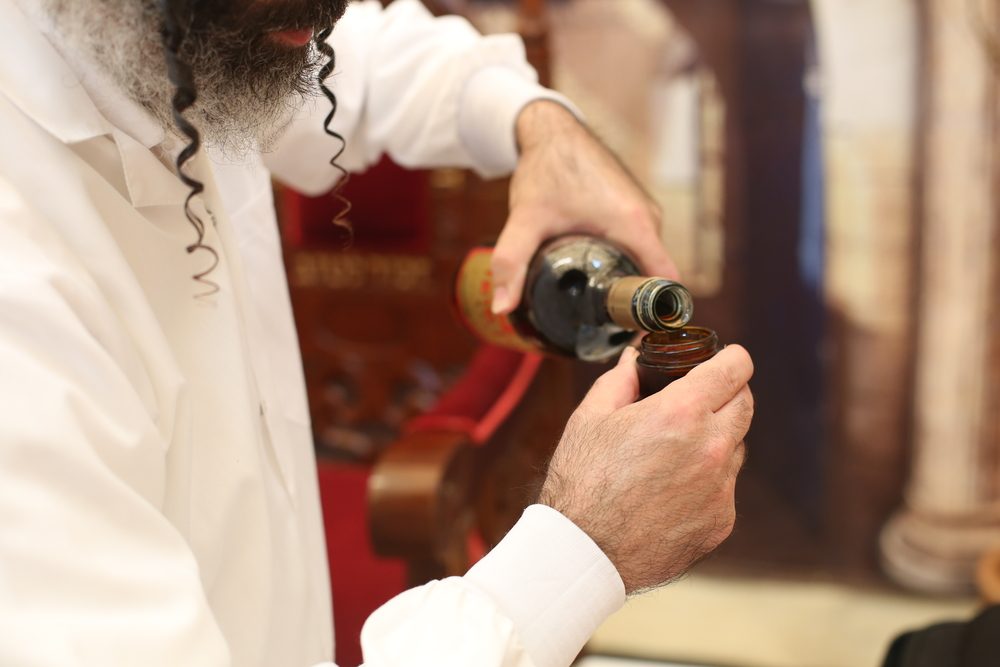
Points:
[264,16]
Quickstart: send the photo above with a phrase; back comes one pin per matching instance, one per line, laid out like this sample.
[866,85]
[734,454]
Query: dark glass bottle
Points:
[583,297]
[669,355]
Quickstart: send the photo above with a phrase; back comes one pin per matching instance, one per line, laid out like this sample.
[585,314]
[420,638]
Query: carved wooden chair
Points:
[429,443]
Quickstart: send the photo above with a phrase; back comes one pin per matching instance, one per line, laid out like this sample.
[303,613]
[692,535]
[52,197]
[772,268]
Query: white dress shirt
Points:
[158,496]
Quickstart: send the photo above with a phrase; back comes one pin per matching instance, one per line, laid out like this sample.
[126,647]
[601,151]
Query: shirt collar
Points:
[74,100]
[40,82]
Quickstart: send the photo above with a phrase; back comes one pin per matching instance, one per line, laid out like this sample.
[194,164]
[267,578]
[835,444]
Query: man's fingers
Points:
[735,416]
[616,388]
[517,244]
[716,382]
[648,250]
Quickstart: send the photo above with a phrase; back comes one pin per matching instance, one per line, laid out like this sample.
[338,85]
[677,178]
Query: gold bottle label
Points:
[474,298]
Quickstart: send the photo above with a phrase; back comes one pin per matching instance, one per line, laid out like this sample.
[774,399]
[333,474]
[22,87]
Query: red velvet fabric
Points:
[361,581]
[390,210]
[466,402]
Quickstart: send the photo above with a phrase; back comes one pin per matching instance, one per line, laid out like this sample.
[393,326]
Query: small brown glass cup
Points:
[668,355]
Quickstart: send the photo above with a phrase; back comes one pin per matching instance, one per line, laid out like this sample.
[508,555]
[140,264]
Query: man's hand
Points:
[567,181]
[652,482]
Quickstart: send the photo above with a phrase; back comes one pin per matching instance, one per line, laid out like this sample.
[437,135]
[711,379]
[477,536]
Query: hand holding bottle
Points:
[567,181]
[652,482]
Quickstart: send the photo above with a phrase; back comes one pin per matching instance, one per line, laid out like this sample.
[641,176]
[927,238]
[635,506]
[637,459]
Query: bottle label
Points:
[474,298]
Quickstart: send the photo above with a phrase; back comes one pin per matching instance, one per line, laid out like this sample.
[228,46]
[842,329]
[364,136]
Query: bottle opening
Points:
[649,304]
[685,335]
[665,356]
[680,348]
[666,307]
[663,305]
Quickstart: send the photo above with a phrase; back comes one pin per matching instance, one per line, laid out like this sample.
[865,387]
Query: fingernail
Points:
[500,300]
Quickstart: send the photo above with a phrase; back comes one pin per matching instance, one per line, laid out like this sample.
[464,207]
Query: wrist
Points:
[541,120]
[552,581]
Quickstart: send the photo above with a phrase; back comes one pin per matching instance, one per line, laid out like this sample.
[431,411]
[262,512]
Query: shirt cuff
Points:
[553,582]
[488,109]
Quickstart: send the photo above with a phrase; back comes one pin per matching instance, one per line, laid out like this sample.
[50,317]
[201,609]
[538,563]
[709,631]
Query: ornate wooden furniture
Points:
[450,436]
[461,473]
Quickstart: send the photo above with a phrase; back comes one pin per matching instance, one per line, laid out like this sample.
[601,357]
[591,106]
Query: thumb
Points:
[616,388]
[515,247]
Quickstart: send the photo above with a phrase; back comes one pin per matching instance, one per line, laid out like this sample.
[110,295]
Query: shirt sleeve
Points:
[531,602]
[91,572]
[429,91]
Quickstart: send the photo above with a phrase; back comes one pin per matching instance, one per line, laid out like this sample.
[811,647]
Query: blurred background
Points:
[828,174]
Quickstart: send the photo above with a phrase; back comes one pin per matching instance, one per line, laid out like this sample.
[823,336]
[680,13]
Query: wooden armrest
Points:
[420,499]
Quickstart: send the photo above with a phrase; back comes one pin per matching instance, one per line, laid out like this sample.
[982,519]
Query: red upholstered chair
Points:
[430,496]
[452,484]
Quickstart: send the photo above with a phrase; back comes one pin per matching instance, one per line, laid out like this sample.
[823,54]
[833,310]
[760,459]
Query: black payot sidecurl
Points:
[322,75]
[177,17]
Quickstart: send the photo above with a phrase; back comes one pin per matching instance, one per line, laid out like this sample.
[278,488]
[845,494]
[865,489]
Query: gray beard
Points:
[244,100]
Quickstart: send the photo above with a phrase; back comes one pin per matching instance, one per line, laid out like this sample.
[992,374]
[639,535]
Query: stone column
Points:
[951,512]
[868,64]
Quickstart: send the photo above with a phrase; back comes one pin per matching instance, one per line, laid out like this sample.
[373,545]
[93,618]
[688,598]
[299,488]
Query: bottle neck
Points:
[639,303]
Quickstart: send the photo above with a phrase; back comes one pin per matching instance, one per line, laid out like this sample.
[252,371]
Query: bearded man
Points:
[158,495]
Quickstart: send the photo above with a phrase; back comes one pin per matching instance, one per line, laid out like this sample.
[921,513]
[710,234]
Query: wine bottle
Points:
[583,297]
